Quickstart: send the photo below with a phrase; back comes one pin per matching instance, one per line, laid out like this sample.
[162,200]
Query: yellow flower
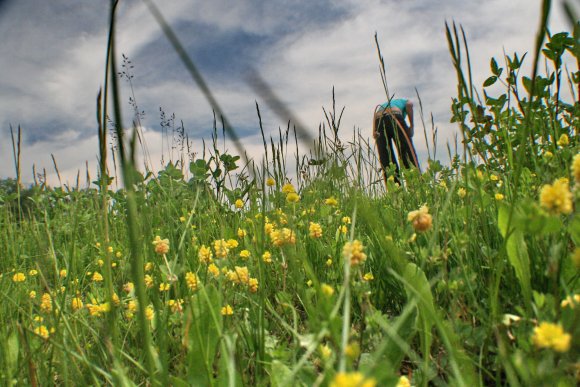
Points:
[287,188]
[493,177]
[343,229]
[76,303]
[461,192]
[270,182]
[175,305]
[576,168]
[164,287]
[331,201]
[221,248]
[115,299]
[191,280]
[315,230]
[570,301]
[41,331]
[239,203]
[97,277]
[244,254]
[309,283]
[548,335]
[557,197]
[32,272]
[240,275]
[63,273]
[19,277]
[325,351]
[241,233]
[205,255]
[110,249]
[403,382]
[213,270]
[548,155]
[267,257]
[420,219]
[98,245]
[253,285]
[368,277]
[148,266]
[161,245]
[352,379]
[32,294]
[563,140]
[131,308]
[346,219]
[353,252]
[329,262]
[227,310]
[118,254]
[100,262]
[129,287]
[148,281]
[46,303]
[292,197]
[499,197]
[282,237]
[327,290]
[149,312]
[352,350]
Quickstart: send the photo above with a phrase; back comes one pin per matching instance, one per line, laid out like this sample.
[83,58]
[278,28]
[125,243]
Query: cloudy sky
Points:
[52,60]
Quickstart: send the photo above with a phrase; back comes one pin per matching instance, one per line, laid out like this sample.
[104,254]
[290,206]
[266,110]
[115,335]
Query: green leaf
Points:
[417,286]
[490,81]
[517,252]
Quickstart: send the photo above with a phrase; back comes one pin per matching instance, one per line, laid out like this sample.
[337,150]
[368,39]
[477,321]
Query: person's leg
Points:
[407,153]
[385,148]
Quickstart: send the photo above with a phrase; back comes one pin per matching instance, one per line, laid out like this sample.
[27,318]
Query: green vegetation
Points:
[217,271]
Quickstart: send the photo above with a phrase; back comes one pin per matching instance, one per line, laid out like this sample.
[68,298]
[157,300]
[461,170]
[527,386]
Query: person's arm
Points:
[409,109]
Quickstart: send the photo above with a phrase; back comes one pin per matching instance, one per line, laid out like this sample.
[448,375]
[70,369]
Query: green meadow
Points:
[306,268]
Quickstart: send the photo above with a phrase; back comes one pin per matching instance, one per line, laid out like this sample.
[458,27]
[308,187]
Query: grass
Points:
[228,271]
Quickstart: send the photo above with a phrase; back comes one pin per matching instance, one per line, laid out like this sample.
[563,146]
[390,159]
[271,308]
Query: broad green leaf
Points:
[517,252]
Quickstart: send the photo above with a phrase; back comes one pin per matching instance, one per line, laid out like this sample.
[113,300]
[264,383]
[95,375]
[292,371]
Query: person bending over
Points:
[391,132]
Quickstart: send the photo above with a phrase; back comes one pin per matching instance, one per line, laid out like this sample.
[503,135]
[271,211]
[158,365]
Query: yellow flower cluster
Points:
[191,280]
[557,197]
[420,219]
[548,335]
[351,379]
[205,255]
[315,230]
[403,382]
[353,252]
[46,303]
[288,188]
[227,310]
[281,237]
[97,310]
[239,275]
[161,245]
[221,248]
[331,201]
[19,277]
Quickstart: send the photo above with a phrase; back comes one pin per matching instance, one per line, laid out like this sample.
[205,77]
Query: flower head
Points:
[557,197]
[292,197]
[205,255]
[227,310]
[563,140]
[351,379]
[19,277]
[239,203]
[420,219]
[46,303]
[353,252]
[191,280]
[287,188]
[315,230]
[548,335]
[331,201]
[403,382]
[270,182]
[161,245]
[221,248]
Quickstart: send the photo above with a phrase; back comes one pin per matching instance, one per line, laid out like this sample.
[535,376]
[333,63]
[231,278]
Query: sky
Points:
[52,56]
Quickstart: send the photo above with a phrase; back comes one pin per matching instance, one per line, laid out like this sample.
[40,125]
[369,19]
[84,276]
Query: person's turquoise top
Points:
[399,103]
